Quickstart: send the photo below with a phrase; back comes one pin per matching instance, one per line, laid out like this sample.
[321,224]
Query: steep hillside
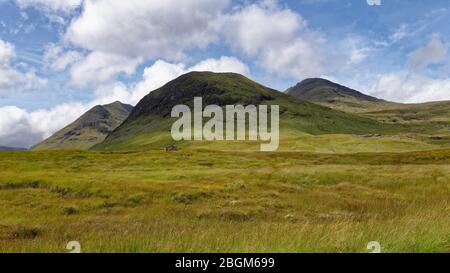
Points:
[91,128]
[148,126]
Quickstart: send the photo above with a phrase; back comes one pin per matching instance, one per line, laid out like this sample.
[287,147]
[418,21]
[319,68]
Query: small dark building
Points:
[171,148]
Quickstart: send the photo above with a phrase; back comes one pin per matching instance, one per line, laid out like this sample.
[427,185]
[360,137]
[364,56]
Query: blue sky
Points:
[60,57]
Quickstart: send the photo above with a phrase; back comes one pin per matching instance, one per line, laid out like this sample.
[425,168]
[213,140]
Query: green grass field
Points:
[337,182]
[219,201]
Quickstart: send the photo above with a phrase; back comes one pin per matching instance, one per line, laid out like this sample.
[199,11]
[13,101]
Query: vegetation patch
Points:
[24,232]
[191,197]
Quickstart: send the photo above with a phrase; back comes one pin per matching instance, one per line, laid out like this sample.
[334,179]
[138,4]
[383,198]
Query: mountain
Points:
[336,96]
[426,118]
[4,148]
[148,125]
[91,128]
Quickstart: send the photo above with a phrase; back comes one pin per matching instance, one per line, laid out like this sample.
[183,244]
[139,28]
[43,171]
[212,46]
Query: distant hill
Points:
[336,96]
[91,128]
[148,126]
[426,118]
[4,148]
[431,118]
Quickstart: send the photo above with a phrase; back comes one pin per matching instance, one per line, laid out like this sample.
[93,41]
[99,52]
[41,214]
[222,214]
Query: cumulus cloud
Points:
[10,78]
[403,86]
[278,38]
[413,84]
[300,59]
[93,69]
[282,43]
[258,27]
[153,28]
[100,67]
[434,52]
[223,64]
[56,59]
[19,128]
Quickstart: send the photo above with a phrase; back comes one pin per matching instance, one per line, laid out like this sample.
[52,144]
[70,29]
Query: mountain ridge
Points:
[89,129]
[426,118]
[148,125]
[305,89]
[336,96]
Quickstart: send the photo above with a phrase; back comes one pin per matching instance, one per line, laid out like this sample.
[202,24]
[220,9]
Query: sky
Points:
[59,58]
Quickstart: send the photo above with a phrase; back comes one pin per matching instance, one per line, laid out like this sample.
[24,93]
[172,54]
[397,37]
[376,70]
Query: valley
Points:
[339,179]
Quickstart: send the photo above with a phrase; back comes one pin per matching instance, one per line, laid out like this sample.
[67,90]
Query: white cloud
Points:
[282,43]
[401,32]
[152,28]
[223,64]
[12,80]
[14,128]
[19,128]
[277,37]
[404,86]
[55,10]
[111,92]
[56,59]
[258,27]
[154,77]
[300,58]
[93,69]
[356,49]
[412,85]
[100,67]
[434,52]
[7,52]
[65,6]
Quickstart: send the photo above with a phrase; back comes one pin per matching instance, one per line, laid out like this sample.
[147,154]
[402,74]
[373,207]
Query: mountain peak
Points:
[150,122]
[330,94]
[214,88]
[317,81]
[89,129]
[318,89]
[118,104]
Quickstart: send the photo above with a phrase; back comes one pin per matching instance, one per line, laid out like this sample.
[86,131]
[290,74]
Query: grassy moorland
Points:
[201,201]
[338,181]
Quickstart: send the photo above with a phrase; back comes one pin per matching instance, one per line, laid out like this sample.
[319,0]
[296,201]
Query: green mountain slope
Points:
[91,128]
[336,96]
[148,126]
[438,111]
[426,118]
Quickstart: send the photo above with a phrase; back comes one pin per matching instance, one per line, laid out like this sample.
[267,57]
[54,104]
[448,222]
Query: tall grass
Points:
[203,201]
